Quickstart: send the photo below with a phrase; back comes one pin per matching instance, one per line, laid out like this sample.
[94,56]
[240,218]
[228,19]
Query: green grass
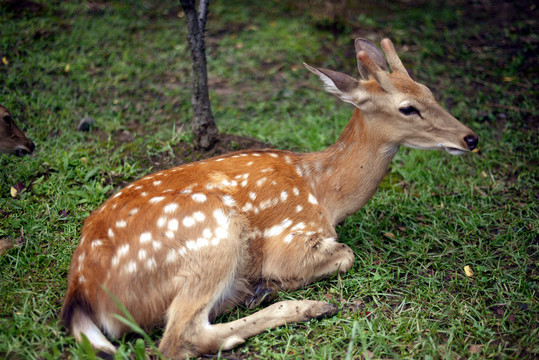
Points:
[407,295]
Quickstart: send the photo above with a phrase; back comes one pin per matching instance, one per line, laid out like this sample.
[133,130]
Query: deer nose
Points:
[471,141]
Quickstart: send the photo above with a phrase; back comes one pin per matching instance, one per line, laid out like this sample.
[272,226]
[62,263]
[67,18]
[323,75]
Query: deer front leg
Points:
[291,265]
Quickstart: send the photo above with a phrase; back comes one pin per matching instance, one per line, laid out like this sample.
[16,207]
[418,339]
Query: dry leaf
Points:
[4,60]
[389,235]
[468,271]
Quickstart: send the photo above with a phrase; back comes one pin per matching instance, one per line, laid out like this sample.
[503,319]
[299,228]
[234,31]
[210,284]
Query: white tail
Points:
[182,245]
[12,139]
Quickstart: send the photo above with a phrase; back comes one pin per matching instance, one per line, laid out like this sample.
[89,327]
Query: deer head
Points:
[12,139]
[404,110]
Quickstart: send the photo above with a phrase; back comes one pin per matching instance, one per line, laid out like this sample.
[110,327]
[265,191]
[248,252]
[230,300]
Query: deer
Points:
[179,247]
[12,139]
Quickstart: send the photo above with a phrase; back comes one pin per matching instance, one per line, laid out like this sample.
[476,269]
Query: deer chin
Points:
[453,151]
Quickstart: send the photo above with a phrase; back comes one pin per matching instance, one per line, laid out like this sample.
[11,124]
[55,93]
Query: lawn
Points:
[126,65]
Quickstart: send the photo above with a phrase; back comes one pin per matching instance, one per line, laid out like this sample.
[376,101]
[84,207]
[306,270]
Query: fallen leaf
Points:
[468,271]
[67,68]
[389,235]
[4,60]
[17,189]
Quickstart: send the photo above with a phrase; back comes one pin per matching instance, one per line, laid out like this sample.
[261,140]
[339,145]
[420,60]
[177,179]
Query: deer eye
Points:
[409,110]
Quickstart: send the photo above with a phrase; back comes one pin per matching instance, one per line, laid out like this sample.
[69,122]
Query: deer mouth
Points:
[453,151]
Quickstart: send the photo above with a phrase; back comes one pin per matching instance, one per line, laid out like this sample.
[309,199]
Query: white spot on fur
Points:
[226,182]
[173,224]
[96,243]
[145,237]
[288,160]
[133,211]
[312,199]
[206,233]
[299,208]
[249,163]
[142,254]
[161,221]
[144,193]
[115,261]
[118,194]
[273,155]
[288,238]
[295,190]
[298,226]
[157,183]
[151,264]
[298,171]
[156,245]
[261,182]
[228,200]
[221,218]
[171,256]
[199,197]
[131,267]
[170,208]
[199,216]
[247,207]
[243,183]
[110,233]
[182,251]
[121,224]
[284,195]
[187,221]
[252,195]
[266,170]
[122,250]
[82,279]
[277,229]
[156,199]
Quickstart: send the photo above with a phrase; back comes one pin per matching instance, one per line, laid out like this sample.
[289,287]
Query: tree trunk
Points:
[203,125]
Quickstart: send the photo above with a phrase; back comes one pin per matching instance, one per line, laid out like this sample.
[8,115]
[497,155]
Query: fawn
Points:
[12,139]
[181,246]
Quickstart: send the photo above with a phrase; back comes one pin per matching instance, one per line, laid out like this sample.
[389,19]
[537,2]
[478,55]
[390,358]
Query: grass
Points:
[407,296]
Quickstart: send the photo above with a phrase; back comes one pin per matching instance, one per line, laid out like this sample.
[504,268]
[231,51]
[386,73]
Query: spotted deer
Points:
[181,246]
[12,139]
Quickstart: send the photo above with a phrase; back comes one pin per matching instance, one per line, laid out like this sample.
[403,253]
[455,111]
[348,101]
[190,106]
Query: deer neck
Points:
[347,174]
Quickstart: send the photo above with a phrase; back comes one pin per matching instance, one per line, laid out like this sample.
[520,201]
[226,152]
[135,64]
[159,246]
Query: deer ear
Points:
[343,86]
[374,54]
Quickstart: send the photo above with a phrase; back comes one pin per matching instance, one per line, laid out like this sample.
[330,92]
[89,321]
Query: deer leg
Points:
[304,260]
[204,338]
